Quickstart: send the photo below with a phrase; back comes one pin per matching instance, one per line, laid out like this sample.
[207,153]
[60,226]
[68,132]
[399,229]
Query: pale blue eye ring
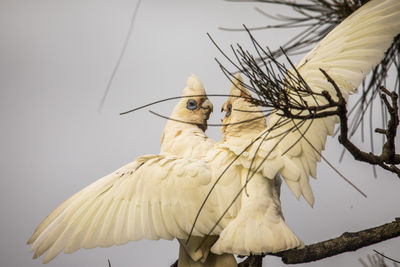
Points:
[228,112]
[191,104]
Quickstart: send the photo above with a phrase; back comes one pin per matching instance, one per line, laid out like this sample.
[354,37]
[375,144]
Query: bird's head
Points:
[241,116]
[194,107]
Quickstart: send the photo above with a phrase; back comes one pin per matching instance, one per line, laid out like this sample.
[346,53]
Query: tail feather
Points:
[258,229]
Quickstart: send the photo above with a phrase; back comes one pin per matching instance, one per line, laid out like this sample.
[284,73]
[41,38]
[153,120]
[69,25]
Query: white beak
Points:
[207,105]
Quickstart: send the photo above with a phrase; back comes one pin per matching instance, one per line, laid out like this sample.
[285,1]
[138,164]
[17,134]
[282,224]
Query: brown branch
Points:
[388,159]
[388,154]
[344,243]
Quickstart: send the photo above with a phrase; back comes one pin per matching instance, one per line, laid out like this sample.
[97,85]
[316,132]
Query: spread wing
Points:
[347,54]
[153,197]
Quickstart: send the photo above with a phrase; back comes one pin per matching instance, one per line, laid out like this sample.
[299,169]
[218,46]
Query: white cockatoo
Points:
[153,197]
[183,140]
[292,150]
[258,225]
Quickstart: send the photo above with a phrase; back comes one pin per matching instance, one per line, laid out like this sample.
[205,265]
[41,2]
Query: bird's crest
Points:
[193,87]
[237,88]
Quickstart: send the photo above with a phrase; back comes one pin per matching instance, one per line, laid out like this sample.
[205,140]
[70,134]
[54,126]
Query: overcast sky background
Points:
[55,60]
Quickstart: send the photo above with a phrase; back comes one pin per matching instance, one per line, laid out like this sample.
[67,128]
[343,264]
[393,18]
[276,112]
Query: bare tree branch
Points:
[388,159]
[344,243]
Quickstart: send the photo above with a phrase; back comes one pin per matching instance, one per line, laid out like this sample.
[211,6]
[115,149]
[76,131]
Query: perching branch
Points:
[344,243]
[349,241]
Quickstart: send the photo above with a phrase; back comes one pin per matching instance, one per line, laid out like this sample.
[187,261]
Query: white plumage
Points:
[257,225]
[158,196]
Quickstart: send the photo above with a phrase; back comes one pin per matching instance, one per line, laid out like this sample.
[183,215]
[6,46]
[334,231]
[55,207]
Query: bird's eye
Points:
[228,112]
[191,104]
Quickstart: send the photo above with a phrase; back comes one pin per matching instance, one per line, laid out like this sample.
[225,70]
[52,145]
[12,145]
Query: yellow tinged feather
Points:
[76,240]
[120,228]
[93,233]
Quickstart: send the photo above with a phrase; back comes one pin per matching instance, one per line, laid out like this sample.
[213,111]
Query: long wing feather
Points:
[154,197]
[347,54]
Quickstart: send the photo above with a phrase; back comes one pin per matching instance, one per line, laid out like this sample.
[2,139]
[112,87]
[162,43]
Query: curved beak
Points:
[207,105]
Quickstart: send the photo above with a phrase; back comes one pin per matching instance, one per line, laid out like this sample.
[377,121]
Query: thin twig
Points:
[386,256]
[121,55]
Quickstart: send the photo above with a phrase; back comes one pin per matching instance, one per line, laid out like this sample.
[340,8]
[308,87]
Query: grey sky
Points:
[55,60]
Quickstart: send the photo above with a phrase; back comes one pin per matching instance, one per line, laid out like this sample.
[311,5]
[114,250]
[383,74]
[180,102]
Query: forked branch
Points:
[388,159]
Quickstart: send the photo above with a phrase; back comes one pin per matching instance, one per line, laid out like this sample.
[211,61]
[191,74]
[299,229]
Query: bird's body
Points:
[257,225]
[189,140]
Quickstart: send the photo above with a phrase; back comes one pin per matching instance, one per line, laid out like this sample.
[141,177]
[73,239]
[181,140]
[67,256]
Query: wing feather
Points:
[121,228]
[104,237]
[90,238]
[77,238]
[347,54]
[142,199]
